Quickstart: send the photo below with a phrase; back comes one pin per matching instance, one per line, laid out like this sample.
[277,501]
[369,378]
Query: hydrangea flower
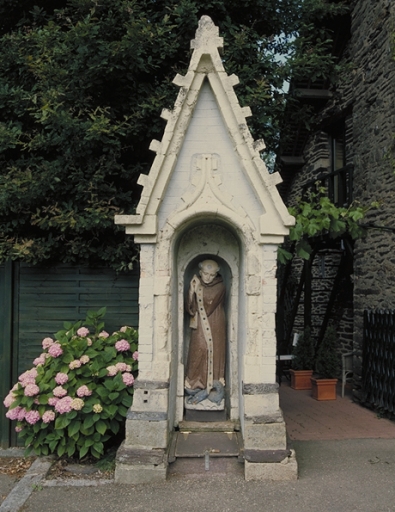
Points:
[53,401]
[104,334]
[83,391]
[83,331]
[97,408]
[55,350]
[18,428]
[9,399]
[64,405]
[48,416]
[32,417]
[28,377]
[40,360]
[84,359]
[59,392]
[77,404]
[135,355]
[32,390]
[47,342]
[21,414]
[61,378]
[121,367]
[89,342]
[124,328]
[112,370]
[75,364]
[122,345]
[13,414]
[128,379]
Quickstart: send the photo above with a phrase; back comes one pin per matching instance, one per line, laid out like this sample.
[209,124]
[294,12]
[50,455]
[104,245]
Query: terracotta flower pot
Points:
[323,389]
[301,379]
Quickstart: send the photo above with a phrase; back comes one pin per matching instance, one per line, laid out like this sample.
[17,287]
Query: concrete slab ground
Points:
[346,458]
[6,484]
[338,476]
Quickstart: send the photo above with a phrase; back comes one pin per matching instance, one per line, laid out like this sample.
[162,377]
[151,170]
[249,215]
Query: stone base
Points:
[285,470]
[134,466]
[205,405]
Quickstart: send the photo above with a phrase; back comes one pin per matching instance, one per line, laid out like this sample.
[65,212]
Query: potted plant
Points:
[303,361]
[327,367]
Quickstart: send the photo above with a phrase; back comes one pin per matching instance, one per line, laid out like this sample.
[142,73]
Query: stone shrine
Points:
[207,197]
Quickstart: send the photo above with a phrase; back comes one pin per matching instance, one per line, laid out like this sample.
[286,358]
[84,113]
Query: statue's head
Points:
[208,270]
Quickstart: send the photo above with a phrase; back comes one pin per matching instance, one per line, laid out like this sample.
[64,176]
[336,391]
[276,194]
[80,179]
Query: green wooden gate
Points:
[34,303]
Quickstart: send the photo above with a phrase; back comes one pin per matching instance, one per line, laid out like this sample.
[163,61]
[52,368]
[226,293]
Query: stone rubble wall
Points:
[373,143]
[366,96]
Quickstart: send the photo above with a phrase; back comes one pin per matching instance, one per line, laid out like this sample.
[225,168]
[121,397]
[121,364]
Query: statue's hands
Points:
[193,285]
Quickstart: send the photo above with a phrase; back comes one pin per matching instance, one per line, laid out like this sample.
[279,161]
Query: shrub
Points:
[328,362]
[303,352]
[76,396]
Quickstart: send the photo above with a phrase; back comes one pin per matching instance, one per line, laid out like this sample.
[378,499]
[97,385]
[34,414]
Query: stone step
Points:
[205,445]
[209,426]
[197,468]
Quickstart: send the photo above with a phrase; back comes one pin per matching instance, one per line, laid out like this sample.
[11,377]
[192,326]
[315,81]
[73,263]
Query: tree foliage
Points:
[82,85]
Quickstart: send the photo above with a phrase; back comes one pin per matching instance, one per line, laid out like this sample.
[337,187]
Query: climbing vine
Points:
[317,215]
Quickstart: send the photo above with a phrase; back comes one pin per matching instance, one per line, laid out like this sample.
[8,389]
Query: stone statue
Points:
[205,371]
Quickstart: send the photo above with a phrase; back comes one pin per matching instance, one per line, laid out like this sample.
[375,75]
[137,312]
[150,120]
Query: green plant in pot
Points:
[303,361]
[327,366]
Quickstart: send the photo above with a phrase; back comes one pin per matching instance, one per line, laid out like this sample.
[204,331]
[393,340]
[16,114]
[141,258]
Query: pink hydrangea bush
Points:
[75,397]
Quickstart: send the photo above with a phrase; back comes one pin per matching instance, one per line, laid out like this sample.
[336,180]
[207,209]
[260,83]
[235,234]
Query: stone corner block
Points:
[286,470]
[146,434]
[125,474]
[265,436]
[139,466]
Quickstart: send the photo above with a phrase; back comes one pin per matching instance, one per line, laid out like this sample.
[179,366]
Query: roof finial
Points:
[206,35]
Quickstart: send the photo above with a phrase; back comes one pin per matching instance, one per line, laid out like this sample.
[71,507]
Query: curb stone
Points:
[24,488]
[76,483]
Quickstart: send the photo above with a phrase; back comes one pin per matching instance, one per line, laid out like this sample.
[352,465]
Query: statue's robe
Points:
[199,361]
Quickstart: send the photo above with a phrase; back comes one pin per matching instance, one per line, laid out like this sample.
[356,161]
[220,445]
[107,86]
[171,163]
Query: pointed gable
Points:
[207,161]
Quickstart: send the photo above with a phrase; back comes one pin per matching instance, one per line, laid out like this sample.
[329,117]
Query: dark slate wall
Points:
[374,129]
[365,97]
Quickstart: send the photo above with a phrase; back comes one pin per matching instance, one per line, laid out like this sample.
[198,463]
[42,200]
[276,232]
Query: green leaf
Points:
[83,451]
[337,226]
[62,422]
[114,426]
[70,448]
[88,422]
[127,400]
[284,255]
[110,384]
[303,249]
[112,409]
[87,431]
[101,427]
[52,445]
[74,427]
[61,450]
